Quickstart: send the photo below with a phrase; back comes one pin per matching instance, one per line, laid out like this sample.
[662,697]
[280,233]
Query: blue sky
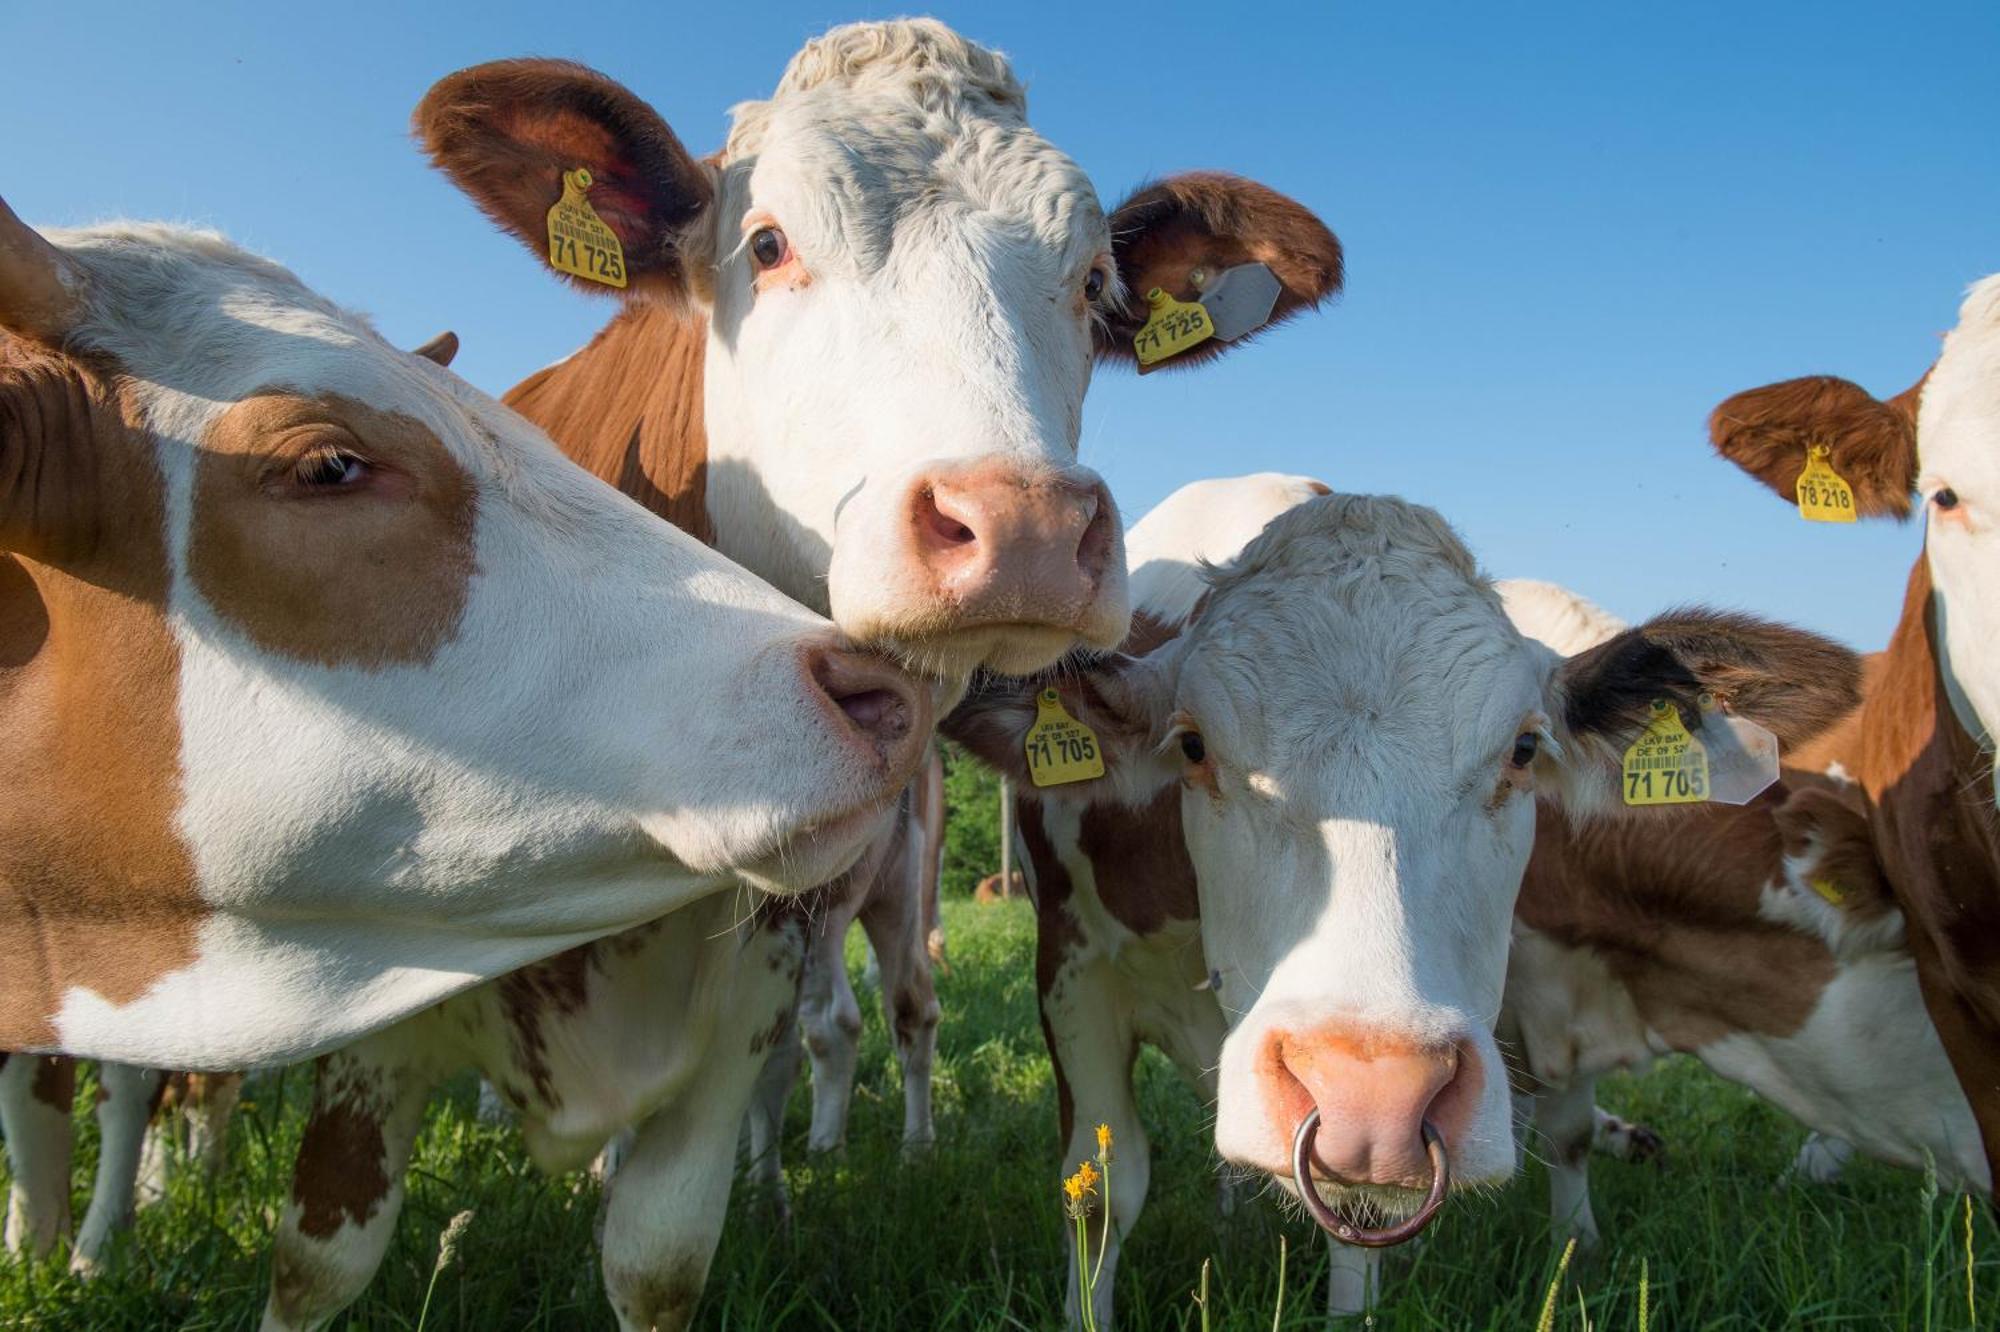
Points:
[1571,230]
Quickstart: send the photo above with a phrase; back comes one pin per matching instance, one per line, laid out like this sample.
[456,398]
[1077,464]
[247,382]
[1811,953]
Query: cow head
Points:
[906,288]
[1360,736]
[320,668]
[1938,440]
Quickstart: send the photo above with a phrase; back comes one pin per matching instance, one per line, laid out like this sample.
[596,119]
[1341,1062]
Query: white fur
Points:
[1958,444]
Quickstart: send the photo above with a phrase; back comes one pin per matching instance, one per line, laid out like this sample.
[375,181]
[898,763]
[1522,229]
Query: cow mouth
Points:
[820,851]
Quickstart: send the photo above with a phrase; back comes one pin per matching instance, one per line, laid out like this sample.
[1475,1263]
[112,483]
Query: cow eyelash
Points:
[328,469]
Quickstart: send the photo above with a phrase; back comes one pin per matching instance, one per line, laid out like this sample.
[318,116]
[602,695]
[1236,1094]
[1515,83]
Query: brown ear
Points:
[440,349]
[40,291]
[506,132]
[1121,698]
[1793,683]
[1873,444]
[1819,822]
[1210,221]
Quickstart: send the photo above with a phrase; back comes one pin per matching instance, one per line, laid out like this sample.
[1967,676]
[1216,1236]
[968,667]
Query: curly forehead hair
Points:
[918,58]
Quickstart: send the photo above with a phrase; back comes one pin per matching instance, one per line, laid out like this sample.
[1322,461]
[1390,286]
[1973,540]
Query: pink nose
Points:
[1006,543]
[1373,1089]
[874,703]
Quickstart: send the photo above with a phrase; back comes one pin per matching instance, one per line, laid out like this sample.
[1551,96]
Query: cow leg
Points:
[37,1093]
[1353,1279]
[1093,1053]
[894,922]
[212,1102]
[831,1019]
[1822,1159]
[1566,1118]
[764,1164]
[665,1203]
[347,1183]
[125,1099]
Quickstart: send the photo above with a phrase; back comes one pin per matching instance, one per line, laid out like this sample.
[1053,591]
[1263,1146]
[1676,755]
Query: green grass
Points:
[972,1239]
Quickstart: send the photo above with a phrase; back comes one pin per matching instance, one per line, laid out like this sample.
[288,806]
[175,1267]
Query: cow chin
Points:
[1005,648]
[819,853]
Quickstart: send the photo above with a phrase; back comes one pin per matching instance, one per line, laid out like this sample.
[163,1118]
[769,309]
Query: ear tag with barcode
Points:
[1823,494]
[579,241]
[1060,748]
[1732,762]
[1240,300]
[1172,328]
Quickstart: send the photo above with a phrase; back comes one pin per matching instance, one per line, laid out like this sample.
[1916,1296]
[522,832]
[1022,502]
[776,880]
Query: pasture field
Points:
[971,1238]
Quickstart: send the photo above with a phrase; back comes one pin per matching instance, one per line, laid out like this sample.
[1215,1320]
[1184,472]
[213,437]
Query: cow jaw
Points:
[1958,436]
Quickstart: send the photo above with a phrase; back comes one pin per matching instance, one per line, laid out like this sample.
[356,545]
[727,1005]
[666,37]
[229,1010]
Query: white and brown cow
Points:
[1298,872]
[852,354]
[1761,939]
[292,756]
[1917,759]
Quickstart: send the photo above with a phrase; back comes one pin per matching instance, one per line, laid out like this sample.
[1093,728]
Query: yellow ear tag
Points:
[1824,495]
[579,242]
[1666,765]
[1060,748]
[1172,328]
[1830,890]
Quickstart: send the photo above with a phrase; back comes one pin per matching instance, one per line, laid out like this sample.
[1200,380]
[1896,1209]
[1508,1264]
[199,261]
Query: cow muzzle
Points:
[993,563]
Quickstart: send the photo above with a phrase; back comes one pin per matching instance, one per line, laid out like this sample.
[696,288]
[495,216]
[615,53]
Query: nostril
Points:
[942,519]
[1100,534]
[869,693]
[871,709]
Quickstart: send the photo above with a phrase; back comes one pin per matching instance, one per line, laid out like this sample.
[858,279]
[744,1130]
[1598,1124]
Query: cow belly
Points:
[600,1038]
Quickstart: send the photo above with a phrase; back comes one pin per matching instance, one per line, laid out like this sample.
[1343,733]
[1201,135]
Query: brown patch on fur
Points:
[629,409]
[1674,916]
[506,131]
[340,1175]
[53,1082]
[1938,841]
[374,578]
[1213,221]
[1795,684]
[1872,444]
[1143,873]
[554,987]
[97,891]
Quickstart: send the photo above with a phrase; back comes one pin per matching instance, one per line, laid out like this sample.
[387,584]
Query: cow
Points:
[1296,875]
[283,571]
[1762,939]
[1917,759]
[852,353]
[291,758]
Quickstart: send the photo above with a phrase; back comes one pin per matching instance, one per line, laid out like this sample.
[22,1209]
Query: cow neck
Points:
[629,408]
[1909,744]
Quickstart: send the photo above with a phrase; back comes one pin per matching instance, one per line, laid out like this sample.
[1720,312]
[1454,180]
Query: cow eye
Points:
[1192,748]
[1526,745]
[1946,498]
[1093,285]
[768,247]
[330,469]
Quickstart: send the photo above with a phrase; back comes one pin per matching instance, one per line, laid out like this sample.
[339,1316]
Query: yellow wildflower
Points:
[1104,1142]
[1088,1174]
[1077,1187]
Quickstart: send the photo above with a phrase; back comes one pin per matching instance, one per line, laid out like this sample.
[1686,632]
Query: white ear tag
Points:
[1241,299]
[1742,756]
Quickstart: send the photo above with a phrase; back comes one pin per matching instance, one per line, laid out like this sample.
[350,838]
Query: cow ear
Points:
[41,293]
[1830,858]
[1177,232]
[1872,444]
[506,133]
[442,349]
[1124,700]
[1793,683]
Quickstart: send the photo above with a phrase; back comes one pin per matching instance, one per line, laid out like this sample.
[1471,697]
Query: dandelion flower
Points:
[1104,1143]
